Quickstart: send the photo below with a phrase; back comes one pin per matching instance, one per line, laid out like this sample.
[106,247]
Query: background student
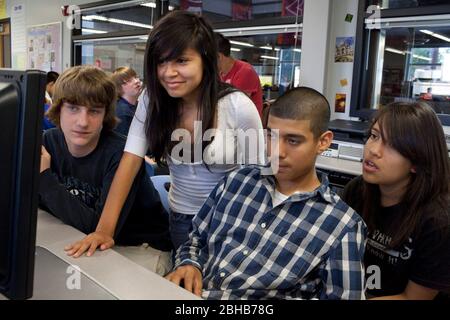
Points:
[79,160]
[403,196]
[282,236]
[129,88]
[183,89]
[52,76]
[238,73]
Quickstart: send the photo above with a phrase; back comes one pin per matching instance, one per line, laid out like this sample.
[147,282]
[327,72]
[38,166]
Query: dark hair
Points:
[52,76]
[87,86]
[171,36]
[223,45]
[413,130]
[304,103]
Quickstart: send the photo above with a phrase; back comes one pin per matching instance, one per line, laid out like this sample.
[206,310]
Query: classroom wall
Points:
[36,13]
[340,71]
[316,24]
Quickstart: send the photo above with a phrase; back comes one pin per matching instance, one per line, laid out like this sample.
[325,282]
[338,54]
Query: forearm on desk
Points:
[123,180]
[65,206]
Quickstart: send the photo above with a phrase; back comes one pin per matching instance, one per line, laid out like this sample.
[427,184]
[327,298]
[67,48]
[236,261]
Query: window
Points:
[402,56]
[123,16]
[114,34]
[110,54]
[396,4]
[275,57]
[265,33]
[240,10]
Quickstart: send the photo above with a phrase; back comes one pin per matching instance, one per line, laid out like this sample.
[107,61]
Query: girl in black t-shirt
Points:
[403,195]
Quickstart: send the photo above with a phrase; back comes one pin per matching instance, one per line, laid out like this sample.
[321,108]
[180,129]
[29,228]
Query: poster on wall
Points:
[241,11]
[18,41]
[44,47]
[339,104]
[345,49]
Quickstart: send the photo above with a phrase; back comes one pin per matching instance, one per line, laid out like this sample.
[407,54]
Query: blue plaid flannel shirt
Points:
[311,246]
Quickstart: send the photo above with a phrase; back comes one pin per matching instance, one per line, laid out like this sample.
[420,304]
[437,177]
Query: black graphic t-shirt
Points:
[423,258]
[75,191]
[87,193]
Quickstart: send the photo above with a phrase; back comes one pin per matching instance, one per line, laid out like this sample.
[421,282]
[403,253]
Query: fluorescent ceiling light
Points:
[405,52]
[85,30]
[270,57]
[245,44]
[153,5]
[263,30]
[95,17]
[269,48]
[130,23]
[272,27]
[235,49]
[394,50]
[118,21]
[149,4]
[422,57]
[436,35]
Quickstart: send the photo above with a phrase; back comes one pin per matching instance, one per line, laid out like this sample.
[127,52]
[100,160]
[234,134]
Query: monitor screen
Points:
[21,113]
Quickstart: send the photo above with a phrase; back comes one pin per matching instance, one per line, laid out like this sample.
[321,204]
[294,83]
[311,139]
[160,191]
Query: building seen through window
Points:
[403,57]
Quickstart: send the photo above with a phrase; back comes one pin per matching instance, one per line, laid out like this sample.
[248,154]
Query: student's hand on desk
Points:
[90,244]
[45,159]
[190,275]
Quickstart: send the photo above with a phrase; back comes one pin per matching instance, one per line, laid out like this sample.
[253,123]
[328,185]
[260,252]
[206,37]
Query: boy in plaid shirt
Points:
[283,236]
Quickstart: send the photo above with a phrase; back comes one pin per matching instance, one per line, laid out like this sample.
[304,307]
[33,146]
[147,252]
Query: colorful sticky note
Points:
[349,17]
[3,13]
[343,82]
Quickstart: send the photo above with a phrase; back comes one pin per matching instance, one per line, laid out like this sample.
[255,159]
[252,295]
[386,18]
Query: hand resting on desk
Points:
[188,277]
[90,244]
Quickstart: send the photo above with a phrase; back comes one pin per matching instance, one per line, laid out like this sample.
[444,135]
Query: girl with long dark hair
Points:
[403,196]
[183,101]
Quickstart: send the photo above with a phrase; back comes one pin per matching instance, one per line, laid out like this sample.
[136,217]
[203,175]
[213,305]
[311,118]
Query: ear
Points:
[324,141]
[413,169]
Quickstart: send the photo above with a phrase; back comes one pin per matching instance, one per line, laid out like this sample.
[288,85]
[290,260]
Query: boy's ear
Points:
[324,141]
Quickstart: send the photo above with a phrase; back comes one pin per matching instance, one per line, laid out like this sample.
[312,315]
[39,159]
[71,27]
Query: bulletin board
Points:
[44,47]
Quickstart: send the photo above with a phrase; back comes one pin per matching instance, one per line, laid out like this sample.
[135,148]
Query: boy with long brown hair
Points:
[79,159]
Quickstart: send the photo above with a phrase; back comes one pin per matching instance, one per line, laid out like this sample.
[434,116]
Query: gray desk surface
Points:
[339,165]
[119,276]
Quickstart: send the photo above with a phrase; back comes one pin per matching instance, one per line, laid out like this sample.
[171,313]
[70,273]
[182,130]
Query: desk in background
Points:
[339,171]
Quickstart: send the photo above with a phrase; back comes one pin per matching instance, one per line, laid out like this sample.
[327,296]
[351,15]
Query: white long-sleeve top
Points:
[192,182]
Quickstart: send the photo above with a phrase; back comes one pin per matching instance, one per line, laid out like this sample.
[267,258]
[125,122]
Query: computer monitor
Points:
[21,113]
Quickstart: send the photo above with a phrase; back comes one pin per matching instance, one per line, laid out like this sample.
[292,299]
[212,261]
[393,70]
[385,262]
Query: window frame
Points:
[364,54]
[225,27]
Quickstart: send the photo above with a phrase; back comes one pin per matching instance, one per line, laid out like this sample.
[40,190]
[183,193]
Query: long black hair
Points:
[171,36]
[413,130]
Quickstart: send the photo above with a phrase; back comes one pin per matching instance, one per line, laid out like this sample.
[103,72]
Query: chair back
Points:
[160,183]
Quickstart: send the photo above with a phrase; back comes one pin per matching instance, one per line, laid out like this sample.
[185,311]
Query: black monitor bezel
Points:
[18,283]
